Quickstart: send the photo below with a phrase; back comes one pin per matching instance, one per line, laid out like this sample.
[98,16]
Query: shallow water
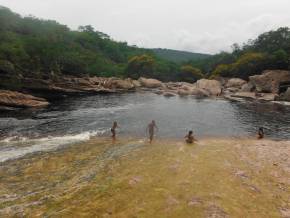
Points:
[74,120]
[212,178]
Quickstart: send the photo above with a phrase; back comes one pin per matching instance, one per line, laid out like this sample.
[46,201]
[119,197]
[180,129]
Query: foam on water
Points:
[16,147]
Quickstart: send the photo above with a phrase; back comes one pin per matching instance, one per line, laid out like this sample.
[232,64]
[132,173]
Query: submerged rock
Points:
[254,96]
[168,94]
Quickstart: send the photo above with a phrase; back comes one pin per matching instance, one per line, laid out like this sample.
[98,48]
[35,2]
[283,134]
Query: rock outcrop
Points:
[269,81]
[136,83]
[200,93]
[17,99]
[285,96]
[253,96]
[150,83]
[123,84]
[212,86]
[248,87]
[235,82]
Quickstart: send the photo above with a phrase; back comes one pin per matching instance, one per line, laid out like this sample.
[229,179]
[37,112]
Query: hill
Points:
[37,48]
[178,56]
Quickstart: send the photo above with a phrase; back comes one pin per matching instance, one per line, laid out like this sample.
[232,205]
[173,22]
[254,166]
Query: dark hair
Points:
[261,129]
[190,132]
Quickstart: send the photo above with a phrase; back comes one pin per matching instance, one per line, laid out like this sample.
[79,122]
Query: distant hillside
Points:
[178,56]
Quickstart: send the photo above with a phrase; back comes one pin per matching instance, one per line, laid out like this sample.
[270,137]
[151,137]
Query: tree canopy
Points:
[33,47]
[270,50]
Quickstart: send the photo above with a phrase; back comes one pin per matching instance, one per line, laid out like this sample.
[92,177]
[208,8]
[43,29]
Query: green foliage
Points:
[190,74]
[247,65]
[142,65]
[271,50]
[6,67]
[42,48]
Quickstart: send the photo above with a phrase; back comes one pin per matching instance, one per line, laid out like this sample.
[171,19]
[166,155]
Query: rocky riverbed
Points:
[264,87]
[212,178]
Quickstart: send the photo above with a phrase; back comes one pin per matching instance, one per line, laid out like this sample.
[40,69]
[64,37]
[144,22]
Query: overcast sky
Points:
[207,26]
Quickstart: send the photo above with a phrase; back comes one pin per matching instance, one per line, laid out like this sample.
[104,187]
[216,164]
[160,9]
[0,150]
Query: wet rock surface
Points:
[212,178]
[20,100]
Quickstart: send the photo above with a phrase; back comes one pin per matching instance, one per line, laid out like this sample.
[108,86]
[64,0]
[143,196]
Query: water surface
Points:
[74,120]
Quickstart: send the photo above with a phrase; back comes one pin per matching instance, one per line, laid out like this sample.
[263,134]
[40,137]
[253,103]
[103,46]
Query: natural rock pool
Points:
[73,120]
[227,173]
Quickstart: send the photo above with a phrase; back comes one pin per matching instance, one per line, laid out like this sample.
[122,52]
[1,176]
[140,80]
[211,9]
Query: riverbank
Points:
[270,86]
[213,178]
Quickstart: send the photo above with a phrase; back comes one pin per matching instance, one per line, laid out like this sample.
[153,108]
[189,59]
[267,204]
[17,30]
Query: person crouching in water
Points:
[151,128]
[189,138]
[260,134]
[113,130]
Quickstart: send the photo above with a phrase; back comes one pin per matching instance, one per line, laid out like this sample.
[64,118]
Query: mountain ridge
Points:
[178,56]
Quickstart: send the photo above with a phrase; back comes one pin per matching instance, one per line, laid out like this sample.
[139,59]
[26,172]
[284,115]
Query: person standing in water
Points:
[113,130]
[260,134]
[189,137]
[151,129]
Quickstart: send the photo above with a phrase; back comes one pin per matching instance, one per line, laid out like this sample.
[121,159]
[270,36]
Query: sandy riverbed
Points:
[213,178]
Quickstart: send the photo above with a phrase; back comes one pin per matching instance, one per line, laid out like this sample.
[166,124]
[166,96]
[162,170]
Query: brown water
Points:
[213,178]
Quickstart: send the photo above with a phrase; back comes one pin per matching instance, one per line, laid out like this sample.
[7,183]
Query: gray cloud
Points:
[194,25]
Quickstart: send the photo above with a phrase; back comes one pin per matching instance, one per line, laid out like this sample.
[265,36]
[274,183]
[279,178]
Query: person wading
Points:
[151,129]
[260,134]
[189,138]
[113,130]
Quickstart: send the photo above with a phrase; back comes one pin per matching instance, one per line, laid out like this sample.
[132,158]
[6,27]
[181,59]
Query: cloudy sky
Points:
[207,26]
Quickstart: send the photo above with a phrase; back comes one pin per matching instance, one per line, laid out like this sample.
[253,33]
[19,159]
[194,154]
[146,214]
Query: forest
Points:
[37,48]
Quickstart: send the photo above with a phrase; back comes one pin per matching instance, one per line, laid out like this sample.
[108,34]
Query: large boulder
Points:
[183,92]
[269,81]
[136,83]
[17,99]
[200,93]
[150,83]
[212,86]
[248,87]
[285,96]
[123,84]
[235,83]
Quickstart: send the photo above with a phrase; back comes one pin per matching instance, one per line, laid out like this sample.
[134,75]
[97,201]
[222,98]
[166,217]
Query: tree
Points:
[190,74]
[142,65]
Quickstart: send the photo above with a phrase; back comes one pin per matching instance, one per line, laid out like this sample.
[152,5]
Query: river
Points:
[77,119]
